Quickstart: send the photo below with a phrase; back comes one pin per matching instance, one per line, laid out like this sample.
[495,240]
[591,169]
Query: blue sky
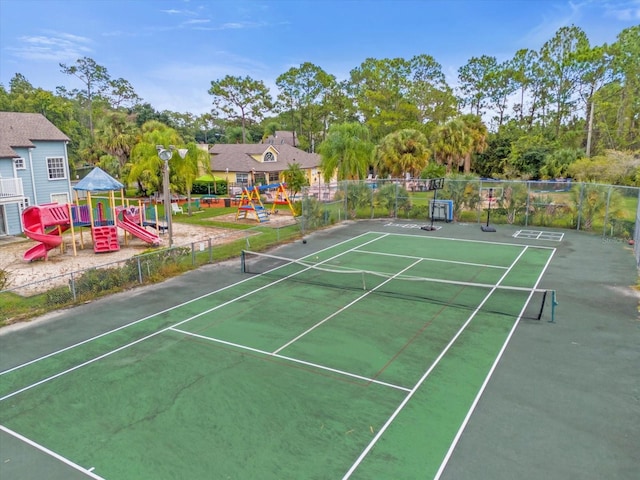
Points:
[171,50]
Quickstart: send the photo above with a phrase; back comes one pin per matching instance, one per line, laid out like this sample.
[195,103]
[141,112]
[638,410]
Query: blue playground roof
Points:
[98,181]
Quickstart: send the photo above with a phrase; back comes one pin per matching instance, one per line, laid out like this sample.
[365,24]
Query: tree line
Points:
[568,109]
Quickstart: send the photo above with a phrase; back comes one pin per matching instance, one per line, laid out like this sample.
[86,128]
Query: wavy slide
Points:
[129,223]
[37,221]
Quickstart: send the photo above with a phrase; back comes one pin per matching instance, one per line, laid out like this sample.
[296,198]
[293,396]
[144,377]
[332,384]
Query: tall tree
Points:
[559,62]
[429,91]
[94,77]
[241,98]
[303,95]
[347,150]
[525,72]
[380,89]
[473,80]
[626,68]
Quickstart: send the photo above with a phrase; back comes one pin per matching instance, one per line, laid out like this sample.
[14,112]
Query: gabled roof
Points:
[20,130]
[281,137]
[239,157]
[97,180]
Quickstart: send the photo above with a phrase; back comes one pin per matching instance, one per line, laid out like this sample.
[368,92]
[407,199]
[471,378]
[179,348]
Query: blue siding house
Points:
[34,167]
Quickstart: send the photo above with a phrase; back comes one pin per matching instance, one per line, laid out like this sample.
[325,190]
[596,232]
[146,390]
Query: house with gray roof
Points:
[34,167]
[252,164]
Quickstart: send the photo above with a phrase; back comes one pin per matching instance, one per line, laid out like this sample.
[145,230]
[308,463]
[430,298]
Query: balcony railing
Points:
[11,188]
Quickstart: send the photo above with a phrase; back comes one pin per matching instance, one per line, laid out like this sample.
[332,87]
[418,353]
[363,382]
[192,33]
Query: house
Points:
[34,167]
[245,165]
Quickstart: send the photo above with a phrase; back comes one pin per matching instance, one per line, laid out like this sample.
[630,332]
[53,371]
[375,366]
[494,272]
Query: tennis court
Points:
[362,359]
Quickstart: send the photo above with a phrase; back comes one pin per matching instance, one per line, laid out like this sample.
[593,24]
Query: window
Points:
[242,178]
[19,163]
[55,168]
[60,198]
[269,157]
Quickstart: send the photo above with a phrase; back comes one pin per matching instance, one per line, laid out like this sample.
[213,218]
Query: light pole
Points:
[165,155]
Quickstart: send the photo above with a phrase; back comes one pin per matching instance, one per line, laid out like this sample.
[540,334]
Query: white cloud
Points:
[54,47]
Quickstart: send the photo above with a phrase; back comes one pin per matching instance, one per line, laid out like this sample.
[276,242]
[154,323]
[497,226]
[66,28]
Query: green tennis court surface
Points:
[364,359]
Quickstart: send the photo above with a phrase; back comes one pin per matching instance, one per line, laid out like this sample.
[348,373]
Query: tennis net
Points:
[504,300]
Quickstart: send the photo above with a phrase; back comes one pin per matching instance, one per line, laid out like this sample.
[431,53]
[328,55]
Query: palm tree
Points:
[187,169]
[347,150]
[451,142]
[404,151]
[116,136]
[478,133]
[146,166]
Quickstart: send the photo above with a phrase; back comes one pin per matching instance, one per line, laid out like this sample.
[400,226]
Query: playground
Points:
[104,217]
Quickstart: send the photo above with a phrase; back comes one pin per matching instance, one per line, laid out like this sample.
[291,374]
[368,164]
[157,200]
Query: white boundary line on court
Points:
[291,359]
[456,439]
[368,292]
[466,240]
[146,337]
[173,328]
[51,453]
[174,307]
[435,363]
[100,357]
[428,259]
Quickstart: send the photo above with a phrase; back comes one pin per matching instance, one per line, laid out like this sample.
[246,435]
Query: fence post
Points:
[580,206]
[139,270]
[72,286]
[528,207]
[606,214]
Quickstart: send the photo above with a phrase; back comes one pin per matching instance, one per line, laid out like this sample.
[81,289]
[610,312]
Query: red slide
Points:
[128,222]
[37,222]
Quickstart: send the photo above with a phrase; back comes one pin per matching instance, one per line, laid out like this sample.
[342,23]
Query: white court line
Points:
[464,240]
[404,402]
[135,342]
[368,292]
[174,307]
[430,259]
[291,359]
[456,439]
[88,472]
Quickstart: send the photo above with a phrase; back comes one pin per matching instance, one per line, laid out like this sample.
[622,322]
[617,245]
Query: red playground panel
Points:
[105,239]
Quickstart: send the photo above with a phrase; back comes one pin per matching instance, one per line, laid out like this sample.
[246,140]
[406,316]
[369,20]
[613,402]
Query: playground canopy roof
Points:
[97,180]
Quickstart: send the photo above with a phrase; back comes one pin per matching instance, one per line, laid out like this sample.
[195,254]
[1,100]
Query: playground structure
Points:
[250,203]
[46,223]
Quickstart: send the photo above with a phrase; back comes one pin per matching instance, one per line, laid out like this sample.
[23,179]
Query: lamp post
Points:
[165,155]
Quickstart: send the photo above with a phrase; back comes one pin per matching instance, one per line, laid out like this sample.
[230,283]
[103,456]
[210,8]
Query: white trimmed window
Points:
[242,178]
[269,157]
[55,168]
[19,163]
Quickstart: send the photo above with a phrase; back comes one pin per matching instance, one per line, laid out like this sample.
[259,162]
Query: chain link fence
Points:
[607,210]
[28,300]
[610,211]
